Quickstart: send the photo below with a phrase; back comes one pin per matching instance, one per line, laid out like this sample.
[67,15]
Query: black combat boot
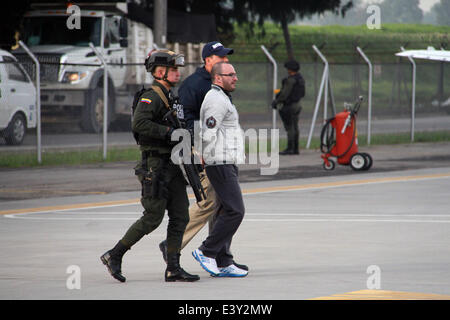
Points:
[113,260]
[163,248]
[288,150]
[174,272]
[295,148]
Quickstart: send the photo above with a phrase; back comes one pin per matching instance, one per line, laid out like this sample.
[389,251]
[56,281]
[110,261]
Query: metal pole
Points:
[369,112]
[413,96]
[275,73]
[327,68]
[160,19]
[105,99]
[324,82]
[316,109]
[38,100]
[330,90]
[325,97]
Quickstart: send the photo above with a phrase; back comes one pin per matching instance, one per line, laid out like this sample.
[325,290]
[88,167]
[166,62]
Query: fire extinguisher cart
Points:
[339,138]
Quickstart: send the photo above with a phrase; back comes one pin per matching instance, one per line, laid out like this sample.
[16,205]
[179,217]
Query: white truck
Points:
[17,100]
[71,73]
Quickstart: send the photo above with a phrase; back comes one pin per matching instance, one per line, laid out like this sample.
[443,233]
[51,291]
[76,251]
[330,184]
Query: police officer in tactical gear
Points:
[163,183]
[292,90]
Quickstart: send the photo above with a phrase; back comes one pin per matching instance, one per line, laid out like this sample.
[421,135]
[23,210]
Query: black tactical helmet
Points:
[165,58]
[292,65]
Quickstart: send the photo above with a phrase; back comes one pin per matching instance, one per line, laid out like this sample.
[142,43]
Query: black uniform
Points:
[192,92]
[292,90]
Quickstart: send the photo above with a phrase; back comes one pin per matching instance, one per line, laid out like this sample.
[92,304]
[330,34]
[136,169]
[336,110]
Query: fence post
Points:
[105,99]
[38,100]
[322,84]
[330,90]
[413,96]
[369,103]
[275,74]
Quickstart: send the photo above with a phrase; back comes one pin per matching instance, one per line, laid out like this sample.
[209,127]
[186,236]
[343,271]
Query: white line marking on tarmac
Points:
[302,217]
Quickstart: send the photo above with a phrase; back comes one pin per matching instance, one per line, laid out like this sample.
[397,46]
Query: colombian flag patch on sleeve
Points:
[146,100]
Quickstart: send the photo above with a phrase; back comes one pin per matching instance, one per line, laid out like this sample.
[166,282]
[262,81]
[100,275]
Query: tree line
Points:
[392,11]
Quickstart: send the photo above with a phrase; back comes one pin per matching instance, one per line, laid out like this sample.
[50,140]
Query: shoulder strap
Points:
[136,98]
[161,95]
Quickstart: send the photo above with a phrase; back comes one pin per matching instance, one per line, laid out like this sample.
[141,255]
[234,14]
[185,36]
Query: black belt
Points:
[154,153]
[217,163]
[149,141]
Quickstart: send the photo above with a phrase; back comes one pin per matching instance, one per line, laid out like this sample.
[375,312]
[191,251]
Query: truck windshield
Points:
[53,30]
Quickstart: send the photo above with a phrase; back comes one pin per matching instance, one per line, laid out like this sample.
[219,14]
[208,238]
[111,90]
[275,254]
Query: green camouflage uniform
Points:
[148,123]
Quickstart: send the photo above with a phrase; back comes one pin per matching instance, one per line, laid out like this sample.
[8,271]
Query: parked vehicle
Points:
[71,73]
[17,100]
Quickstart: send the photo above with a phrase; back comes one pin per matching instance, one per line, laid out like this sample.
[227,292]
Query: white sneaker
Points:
[232,271]
[209,264]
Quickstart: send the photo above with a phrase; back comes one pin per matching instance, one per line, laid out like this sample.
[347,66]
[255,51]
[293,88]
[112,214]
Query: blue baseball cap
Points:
[215,48]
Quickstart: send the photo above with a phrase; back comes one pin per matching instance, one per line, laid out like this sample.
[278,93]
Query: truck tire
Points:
[92,113]
[16,130]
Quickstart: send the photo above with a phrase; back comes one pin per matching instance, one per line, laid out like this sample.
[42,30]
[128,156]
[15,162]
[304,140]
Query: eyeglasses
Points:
[228,74]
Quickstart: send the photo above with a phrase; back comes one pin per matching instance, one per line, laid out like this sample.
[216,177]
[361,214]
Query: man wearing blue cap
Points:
[194,88]
[191,94]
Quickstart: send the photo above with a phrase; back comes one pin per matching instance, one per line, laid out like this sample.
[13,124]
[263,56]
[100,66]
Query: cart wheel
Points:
[330,166]
[369,161]
[358,161]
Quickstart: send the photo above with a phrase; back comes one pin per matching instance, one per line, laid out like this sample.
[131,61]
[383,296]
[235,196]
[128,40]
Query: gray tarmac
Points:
[306,234]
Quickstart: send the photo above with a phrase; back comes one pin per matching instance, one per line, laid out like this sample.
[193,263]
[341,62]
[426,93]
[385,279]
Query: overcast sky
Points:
[425,5]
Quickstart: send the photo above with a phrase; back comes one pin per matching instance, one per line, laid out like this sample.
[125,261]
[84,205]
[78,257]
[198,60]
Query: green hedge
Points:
[339,42]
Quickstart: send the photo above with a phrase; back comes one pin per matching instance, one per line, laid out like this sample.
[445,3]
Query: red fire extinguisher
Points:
[339,138]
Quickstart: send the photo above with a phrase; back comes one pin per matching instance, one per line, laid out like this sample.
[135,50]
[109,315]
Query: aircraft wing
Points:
[429,54]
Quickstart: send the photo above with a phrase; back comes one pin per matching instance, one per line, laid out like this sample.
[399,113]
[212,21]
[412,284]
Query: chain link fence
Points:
[72,98]
[391,94]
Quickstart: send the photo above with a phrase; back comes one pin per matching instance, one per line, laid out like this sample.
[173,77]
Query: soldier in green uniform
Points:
[163,183]
[292,90]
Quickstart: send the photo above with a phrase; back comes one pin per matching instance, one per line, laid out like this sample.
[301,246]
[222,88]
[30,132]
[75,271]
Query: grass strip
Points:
[84,157]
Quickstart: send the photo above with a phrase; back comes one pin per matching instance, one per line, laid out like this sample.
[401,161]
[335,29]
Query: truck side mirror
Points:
[123,28]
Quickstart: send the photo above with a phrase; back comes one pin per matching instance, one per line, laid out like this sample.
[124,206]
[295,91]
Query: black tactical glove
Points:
[274,104]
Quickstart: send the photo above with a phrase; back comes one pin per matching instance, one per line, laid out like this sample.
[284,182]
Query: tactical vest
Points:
[298,91]
[143,140]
